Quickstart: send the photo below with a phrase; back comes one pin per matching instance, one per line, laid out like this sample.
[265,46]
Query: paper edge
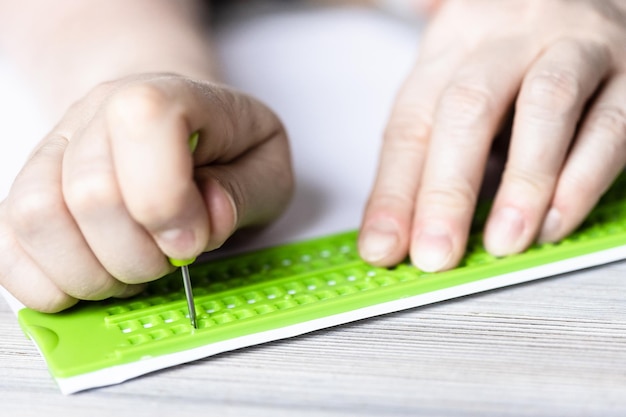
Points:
[121,373]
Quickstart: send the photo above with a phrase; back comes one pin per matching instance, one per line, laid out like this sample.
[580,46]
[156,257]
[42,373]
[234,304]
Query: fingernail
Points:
[378,241]
[504,231]
[178,243]
[433,249]
[551,226]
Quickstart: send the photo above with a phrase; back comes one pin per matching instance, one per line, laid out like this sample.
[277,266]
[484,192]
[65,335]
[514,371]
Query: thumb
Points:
[243,166]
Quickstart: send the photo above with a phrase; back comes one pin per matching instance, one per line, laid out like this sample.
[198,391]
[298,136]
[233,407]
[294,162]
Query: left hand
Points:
[562,65]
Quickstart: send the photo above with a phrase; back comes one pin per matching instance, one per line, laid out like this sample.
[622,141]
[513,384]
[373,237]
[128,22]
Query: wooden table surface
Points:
[554,347]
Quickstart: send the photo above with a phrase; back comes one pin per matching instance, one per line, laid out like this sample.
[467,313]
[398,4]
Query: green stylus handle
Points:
[193,141]
[181,262]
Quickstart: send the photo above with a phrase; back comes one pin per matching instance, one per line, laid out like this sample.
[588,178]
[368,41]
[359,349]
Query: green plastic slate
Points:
[278,287]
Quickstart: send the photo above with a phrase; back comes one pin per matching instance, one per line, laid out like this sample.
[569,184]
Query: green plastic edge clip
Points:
[279,287]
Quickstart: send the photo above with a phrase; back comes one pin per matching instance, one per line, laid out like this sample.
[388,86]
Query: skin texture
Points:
[561,66]
[113,189]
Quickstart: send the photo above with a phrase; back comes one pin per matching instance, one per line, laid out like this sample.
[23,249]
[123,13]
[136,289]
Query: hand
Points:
[562,65]
[114,188]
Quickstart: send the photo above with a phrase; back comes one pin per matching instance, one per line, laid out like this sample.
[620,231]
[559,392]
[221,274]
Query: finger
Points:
[46,231]
[468,117]
[386,224]
[148,130]
[549,106]
[597,157]
[24,279]
[245,174]
[246,191]
[150,126]
[121,245]
[246,148]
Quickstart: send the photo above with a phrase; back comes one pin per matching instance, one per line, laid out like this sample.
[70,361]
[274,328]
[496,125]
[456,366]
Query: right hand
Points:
[113,189]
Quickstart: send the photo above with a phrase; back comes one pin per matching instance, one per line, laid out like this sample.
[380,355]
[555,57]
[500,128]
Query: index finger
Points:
[149,126]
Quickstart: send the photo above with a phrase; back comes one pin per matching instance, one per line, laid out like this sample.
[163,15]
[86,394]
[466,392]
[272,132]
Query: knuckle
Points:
[531,182]
[138,103]
[389,199]
[457,197]
[608,121]
[29,208]
[55,144]
[467,104]
[553,90]
[90,192]
[408,130]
